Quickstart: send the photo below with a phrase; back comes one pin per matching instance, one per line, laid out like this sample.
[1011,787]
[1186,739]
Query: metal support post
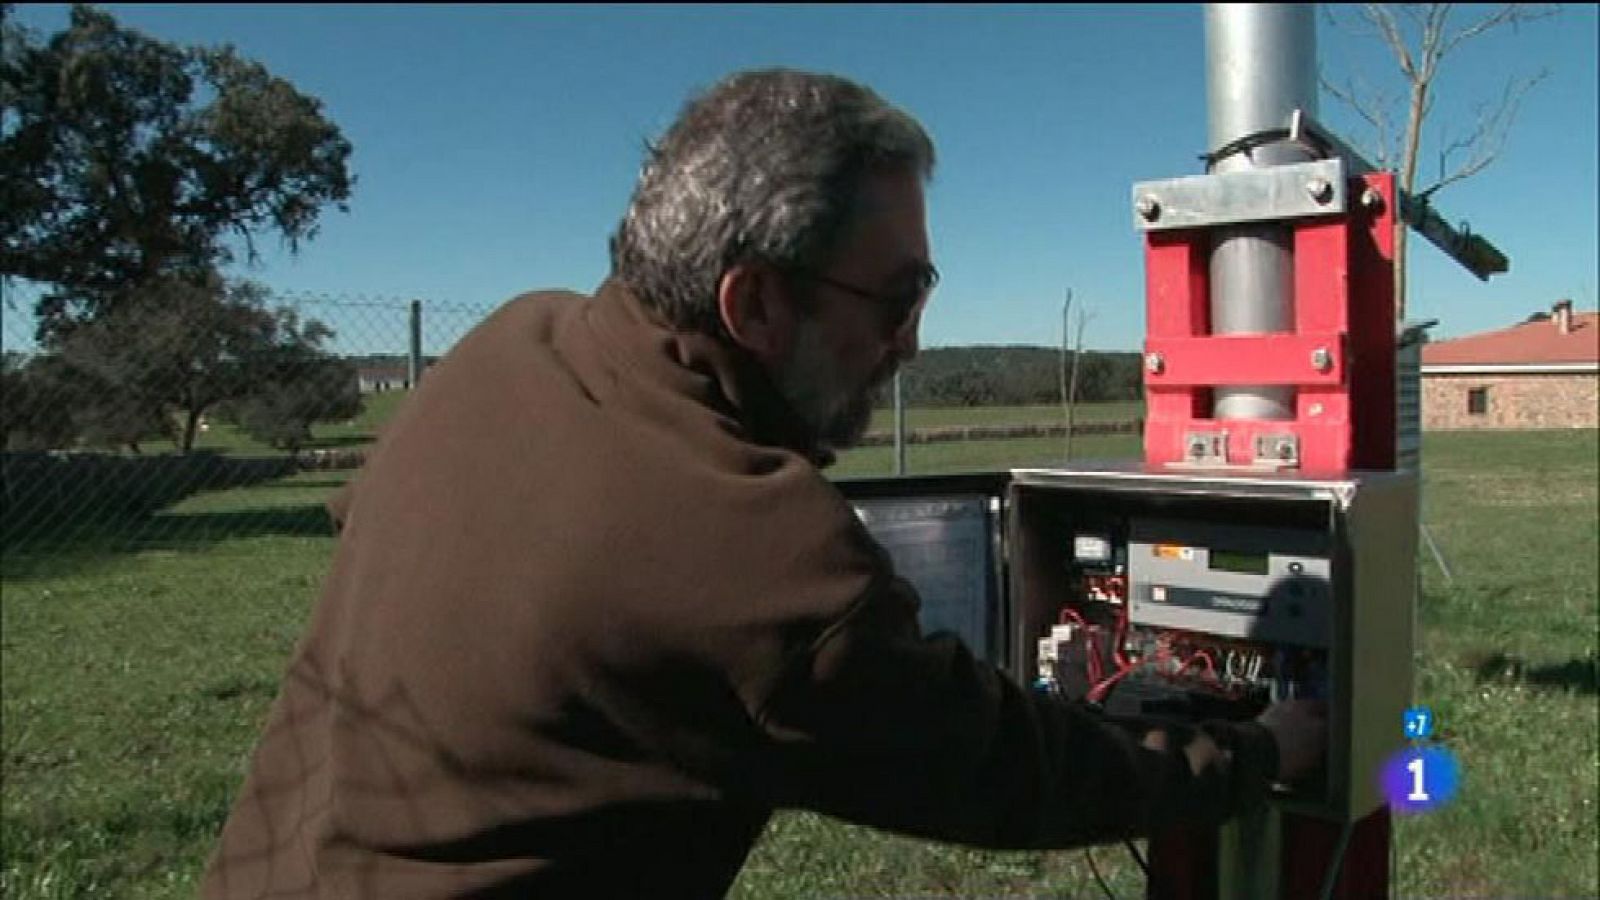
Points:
[414,370]
[899,427]
[1261,65]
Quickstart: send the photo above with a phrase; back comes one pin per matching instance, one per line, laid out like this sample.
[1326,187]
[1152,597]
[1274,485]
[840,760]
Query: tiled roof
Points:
[1531,343]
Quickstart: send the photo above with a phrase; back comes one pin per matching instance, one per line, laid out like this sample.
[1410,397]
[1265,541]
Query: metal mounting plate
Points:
[1268,194]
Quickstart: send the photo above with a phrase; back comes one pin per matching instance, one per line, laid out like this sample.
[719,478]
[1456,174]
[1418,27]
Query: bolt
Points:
[1154,364]
[1197,448]
[1286,449]
[1320,189]
[1321,359]
[1149,208]
[1372,200]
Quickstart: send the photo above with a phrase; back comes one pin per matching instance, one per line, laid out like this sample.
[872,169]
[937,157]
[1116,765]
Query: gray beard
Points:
[836,414]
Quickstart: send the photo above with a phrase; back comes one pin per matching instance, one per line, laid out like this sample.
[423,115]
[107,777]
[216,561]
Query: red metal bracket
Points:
[1344,419]
[1298,359]
[1340,356]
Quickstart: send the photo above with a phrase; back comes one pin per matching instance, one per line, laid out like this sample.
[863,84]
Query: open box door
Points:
[945,535]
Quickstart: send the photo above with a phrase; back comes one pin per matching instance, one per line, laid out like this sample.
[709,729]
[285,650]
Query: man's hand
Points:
[1300,727]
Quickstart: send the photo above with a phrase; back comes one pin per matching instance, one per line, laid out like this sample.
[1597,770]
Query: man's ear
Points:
[755,307]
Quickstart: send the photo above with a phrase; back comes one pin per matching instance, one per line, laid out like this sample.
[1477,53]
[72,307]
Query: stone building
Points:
[1543,373]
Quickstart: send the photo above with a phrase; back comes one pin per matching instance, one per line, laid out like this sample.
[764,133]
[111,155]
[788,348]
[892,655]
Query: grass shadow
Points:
[337,441]
[72,548]
[1579,674]
[302,483]
[184,530]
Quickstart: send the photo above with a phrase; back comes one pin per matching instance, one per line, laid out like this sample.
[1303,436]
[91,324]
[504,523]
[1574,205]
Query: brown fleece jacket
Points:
[595,612]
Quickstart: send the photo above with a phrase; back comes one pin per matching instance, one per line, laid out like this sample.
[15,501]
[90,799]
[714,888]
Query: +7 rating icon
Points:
[1418,723]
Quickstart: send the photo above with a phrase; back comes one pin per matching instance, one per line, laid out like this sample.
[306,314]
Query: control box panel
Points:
[1181,596]
[1269,584]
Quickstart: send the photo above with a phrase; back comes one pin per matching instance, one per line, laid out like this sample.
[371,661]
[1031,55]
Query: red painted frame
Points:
[1344,304]
[1345,418]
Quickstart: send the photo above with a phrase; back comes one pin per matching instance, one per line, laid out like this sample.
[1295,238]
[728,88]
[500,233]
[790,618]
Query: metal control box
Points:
[1268,584]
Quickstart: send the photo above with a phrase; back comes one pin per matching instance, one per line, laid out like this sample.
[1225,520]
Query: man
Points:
[595,612]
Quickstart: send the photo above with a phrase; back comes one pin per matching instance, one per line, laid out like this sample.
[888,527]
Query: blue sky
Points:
[495,146]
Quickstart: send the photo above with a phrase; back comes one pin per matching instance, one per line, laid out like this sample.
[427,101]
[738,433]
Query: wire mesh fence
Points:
[199,414]
[205,413]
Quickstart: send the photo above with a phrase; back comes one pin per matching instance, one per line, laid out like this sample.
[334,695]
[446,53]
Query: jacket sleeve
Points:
[882,726]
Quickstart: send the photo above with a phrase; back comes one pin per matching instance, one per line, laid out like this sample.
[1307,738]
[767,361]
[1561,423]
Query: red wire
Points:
[1211,667]
[1070,614]
[1098,692]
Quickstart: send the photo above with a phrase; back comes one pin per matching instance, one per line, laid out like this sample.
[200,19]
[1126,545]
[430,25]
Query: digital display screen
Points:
[1239,561]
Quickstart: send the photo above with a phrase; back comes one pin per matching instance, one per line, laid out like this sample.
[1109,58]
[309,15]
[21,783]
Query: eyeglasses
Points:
[894,309]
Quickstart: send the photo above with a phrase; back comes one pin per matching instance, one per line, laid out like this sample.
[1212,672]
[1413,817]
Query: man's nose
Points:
[905,340]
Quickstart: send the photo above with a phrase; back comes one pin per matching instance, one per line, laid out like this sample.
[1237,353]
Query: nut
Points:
[1149,208]
[1320,189]
[1154,364]
[1372,200]
[1321,359]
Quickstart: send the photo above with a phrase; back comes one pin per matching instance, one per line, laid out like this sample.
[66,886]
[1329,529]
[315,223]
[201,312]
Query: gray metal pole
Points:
[899,427]
[414,371]
[1261,65]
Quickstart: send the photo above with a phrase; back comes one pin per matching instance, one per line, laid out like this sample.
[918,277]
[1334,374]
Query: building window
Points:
[1477,401]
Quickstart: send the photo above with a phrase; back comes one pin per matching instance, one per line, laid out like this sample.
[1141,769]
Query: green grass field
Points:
[379,408]
[943,417]
[136,672]
[376,409]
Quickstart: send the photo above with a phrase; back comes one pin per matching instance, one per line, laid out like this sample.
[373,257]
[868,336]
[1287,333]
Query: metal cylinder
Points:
[414,370]
[1261,65]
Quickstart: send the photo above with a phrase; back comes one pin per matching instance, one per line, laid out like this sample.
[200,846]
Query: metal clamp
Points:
[1473,252]
[1277,451]
[1205,448]
[1268,194]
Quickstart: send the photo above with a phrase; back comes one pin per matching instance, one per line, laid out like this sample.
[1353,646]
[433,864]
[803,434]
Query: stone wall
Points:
[1000,432]
[1553,400]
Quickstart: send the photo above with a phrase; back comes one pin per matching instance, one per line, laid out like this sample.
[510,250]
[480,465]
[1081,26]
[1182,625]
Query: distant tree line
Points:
[1014,376]
[132,171]
[156,368]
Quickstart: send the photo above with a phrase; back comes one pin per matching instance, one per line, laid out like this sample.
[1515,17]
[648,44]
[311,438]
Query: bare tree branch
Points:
[1513,14]
[1337,16]
[1450,149]
[1375,111]
[1488,136]
[1433,32]
[1382,19]
[1420,38]
[1500,16]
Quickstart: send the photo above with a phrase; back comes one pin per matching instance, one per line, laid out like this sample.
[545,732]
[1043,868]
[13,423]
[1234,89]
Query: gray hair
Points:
[766,165]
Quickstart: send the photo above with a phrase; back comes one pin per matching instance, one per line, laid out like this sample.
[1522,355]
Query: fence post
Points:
[414,373]
[899,427]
